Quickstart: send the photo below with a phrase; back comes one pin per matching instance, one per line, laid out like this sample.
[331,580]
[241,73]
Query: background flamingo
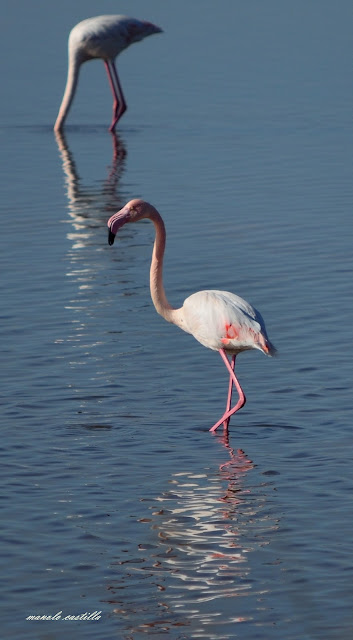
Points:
[219,320]
[101,37]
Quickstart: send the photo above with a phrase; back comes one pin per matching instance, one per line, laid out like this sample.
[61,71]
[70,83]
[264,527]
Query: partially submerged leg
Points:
[119,105]
[229,412]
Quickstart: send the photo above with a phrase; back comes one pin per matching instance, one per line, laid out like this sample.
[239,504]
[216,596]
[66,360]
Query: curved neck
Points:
[71,84]
[158,296]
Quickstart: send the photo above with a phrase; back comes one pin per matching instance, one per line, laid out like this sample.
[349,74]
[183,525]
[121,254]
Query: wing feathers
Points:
[220,319]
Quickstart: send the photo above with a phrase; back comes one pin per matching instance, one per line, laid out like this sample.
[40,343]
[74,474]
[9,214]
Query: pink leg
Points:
[229,412]
[230,391]
[119,106]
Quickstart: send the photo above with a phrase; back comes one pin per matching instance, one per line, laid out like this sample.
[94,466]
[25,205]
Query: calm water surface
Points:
[115,497]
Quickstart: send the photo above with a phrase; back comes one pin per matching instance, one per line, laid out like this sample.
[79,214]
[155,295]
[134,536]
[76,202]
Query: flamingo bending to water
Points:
[219,320]
[101,37]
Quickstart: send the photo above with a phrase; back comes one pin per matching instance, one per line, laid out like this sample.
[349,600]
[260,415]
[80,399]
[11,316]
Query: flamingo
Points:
[220,320]
[101,37]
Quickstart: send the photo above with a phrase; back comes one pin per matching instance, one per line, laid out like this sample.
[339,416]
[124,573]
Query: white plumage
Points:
[220,320]
[102,37]
[223,320]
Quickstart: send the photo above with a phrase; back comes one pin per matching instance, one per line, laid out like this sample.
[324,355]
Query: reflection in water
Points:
[85,204]
[198,562]
[89,208]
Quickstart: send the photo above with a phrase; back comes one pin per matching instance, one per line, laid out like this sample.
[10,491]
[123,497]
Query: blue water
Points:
[116,499]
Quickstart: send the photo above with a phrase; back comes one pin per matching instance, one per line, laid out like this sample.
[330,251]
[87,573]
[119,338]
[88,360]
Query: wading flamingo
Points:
[101,37]
[219,320]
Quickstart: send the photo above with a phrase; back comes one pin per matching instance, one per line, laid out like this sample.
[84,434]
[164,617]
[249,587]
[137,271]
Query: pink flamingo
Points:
[219,320]
[101,37]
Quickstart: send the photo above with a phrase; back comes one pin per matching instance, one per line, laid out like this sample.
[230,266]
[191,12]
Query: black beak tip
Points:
[111,237]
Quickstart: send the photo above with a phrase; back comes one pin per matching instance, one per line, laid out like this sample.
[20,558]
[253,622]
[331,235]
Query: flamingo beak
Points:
[116,221]
[111,237]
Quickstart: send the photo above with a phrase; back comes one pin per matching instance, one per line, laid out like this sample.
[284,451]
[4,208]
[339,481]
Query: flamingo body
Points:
[102,37]
[219,320]
[223,320]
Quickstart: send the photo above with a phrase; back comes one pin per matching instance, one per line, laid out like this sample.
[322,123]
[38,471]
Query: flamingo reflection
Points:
[89,206]
[86,203]
[203,530]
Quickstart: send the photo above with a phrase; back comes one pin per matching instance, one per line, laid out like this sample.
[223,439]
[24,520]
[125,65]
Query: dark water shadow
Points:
[273,426]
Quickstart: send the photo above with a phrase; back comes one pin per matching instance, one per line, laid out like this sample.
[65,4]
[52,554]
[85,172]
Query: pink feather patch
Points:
[231,334]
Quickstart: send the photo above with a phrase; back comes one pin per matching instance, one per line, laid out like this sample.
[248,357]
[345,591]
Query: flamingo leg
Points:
[119,105]
[233,380]
[230,391]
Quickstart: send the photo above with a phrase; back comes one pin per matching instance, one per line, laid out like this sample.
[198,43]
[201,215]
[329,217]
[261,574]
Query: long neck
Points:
[158,296]
[71,84]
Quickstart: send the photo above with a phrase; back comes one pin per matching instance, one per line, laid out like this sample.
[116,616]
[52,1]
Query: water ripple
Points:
[204,529]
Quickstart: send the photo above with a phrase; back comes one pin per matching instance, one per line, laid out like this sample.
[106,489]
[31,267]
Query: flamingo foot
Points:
[226,416]
[118,111]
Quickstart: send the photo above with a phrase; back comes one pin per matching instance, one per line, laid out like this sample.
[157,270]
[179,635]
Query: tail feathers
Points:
[272,351]
[266,346]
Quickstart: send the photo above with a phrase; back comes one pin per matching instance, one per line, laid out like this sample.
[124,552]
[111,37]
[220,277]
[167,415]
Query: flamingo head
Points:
[116,221]
[140,29]
[132,212]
